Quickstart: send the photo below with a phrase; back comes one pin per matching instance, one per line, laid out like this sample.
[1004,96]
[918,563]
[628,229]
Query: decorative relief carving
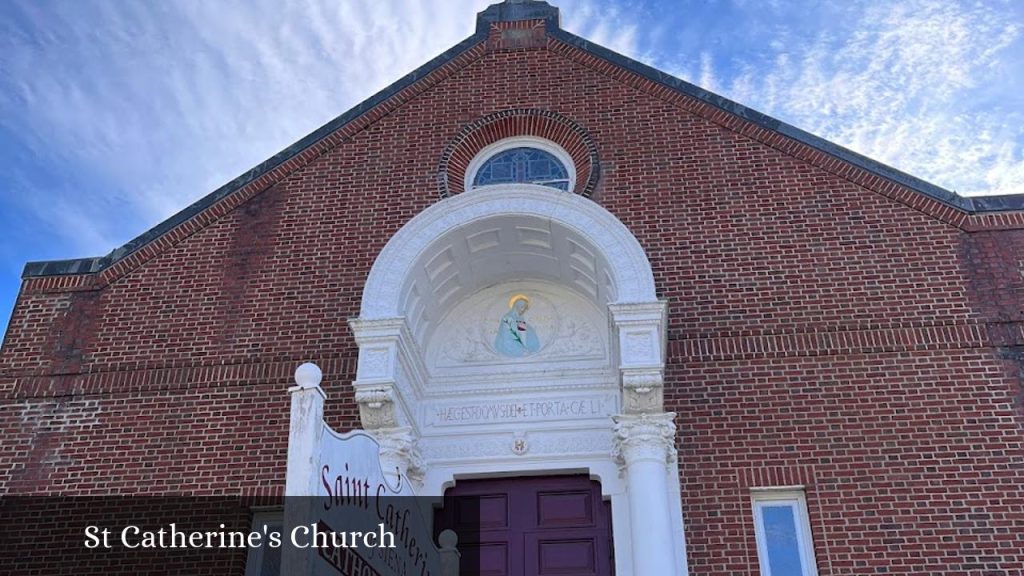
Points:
[374,363]
[577,443]
[642,391]
[399,454]
[634,402]
[644,437]
[641,380]
[566,330]
[519,444]
[638,347]
[376,407]
[464,447]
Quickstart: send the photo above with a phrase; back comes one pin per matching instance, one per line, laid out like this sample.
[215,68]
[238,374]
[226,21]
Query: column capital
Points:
[644,437]
[399,455]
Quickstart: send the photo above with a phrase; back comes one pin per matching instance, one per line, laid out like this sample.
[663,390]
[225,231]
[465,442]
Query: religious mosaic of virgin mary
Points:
[515,337]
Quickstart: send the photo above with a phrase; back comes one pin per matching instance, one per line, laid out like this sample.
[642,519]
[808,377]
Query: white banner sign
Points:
[383,520]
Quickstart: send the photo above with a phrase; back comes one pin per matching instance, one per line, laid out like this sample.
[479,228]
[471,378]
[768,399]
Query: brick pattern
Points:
[910,461]
[827,327]
[229,437]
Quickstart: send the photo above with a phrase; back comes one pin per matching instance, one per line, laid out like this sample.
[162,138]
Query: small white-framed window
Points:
[265,560]
[783,532]
[523,160]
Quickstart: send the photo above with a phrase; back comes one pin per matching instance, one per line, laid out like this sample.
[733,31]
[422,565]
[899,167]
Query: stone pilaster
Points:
[641,354]
[384,373]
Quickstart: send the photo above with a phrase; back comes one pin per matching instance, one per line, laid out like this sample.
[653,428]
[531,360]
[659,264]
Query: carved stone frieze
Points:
[541,443]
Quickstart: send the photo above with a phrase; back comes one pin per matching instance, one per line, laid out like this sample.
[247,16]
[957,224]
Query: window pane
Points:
[523,165]
[781,540]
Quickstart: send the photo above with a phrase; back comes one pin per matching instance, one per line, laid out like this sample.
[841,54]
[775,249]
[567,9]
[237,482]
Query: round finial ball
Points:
[308,375]
[447,539]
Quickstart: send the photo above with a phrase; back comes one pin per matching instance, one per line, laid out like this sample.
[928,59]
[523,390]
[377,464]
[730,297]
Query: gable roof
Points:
[515,11]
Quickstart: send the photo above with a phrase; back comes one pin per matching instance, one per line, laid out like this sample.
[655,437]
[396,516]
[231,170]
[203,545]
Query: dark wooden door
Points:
[532,526]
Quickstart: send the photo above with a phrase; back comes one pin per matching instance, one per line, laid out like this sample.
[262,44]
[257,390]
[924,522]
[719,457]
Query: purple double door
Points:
[531,526]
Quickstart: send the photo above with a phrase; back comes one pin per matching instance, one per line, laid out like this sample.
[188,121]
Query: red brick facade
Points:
[828,326]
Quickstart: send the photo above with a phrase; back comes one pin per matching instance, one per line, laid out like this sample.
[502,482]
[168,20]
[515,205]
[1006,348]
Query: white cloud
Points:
[602,23]
[900,89]
[141,108]
[160,103]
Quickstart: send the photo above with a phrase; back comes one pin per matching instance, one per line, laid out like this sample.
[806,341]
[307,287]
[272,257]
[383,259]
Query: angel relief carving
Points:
[517,328]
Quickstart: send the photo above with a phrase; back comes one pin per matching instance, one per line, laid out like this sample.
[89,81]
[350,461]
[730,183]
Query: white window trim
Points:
[490,150]
[795,497]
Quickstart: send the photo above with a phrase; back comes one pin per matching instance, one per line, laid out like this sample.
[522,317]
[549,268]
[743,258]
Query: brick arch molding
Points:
[544,124]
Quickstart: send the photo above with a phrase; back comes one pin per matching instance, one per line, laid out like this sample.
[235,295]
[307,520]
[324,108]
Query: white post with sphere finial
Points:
[305,432]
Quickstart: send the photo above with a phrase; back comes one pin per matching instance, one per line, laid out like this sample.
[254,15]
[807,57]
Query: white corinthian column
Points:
[644,445]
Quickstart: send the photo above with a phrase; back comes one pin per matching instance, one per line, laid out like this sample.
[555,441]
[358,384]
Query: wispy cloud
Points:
[603,23]
[156,104]
[141,108]
[913,84]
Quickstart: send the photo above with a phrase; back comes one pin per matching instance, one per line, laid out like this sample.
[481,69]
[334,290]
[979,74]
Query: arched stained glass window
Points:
[523,165]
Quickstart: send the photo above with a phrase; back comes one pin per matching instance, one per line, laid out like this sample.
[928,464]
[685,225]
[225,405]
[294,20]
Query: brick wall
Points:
[827,327]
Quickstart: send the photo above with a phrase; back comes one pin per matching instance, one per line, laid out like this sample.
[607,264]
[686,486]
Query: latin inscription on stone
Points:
[522,411]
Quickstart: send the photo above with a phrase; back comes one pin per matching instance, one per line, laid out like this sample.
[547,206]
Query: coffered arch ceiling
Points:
[499,249]
[502,233]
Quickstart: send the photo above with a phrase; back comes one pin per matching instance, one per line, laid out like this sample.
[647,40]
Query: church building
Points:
[652,331]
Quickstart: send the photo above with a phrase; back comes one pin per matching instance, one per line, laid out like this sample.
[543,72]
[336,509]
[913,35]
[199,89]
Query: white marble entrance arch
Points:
[445,404]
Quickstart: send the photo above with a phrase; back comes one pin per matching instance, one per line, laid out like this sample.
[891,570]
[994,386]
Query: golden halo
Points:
[523,297]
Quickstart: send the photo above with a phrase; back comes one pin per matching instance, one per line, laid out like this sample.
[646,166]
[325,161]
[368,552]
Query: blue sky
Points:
[114,114]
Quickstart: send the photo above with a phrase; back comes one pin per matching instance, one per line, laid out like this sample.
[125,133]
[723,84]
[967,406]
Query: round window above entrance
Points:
[522,160]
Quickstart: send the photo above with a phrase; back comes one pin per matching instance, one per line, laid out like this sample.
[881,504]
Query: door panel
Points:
[532,526]
[488,558]
[559,509]
[481,512]
[565,553]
